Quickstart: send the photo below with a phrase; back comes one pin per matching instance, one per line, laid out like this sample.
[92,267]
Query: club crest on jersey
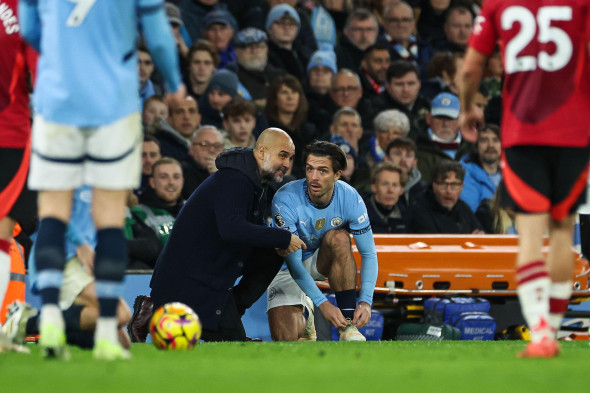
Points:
[319,224]
[336,222]
[279,220]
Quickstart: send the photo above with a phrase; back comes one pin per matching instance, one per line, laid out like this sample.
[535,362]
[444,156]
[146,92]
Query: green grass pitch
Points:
[372,367]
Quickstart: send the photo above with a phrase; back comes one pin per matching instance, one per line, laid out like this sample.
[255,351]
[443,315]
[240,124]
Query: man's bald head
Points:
[274,153]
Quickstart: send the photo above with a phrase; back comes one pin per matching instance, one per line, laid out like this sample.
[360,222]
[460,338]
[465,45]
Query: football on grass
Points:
[175,326]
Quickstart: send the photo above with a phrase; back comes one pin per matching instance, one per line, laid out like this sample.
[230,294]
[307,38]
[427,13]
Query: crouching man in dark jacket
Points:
[219,235]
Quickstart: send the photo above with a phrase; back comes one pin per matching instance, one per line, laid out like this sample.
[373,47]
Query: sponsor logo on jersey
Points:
[319,224]
[279,220]
[8,19]
[362,218]
[336,222]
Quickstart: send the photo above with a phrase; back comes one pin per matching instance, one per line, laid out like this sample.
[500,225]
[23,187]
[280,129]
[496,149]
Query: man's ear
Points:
[151,180]
[338,174]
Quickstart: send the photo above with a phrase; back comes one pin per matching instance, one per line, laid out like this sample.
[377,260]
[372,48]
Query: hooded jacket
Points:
[212,237]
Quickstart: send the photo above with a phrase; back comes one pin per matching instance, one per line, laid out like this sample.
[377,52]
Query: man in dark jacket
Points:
[220,235]
[441,210]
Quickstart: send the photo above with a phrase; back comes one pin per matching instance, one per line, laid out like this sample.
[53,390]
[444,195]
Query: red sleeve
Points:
[31,56]
[485,35]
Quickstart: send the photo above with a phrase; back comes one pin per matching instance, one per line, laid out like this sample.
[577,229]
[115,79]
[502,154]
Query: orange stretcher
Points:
[428,265]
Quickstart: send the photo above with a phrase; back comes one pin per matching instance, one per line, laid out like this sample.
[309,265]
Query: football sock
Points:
[346,301]
[533,294]
[109,269]
[106,328]
[50,258]
[4,268]
[72,318]
[559,298]
[51,313]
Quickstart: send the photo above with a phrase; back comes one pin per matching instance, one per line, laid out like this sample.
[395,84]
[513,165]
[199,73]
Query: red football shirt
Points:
[16,61]
[546,94]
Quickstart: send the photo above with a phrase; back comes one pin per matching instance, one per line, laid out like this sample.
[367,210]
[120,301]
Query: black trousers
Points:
[260,268]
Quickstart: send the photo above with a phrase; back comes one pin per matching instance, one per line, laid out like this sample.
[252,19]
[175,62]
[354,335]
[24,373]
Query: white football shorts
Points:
[66,157]
[284,291]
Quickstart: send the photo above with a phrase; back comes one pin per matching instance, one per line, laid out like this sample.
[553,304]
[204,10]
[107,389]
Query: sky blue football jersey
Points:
[87,72]
[293,210]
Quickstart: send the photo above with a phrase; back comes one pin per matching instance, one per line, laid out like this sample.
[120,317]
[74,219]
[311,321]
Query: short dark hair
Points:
[151,138]
[326,149]
[389,166]
[440,171]
[238,106]
[374,47]
[460,9]
[402,143]
[490,127]
[360,14]
[399,68]
[204,46]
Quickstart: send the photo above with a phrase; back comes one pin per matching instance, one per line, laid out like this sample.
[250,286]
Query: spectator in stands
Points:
[185,117]
[321,70]
[146,69]
[286,109]
[160,204]
[175,18]
[282,26]
[347,122]
[172,143]
[400,27]
[200,162]
[457,27]
[402,151]
[347,91]
[373,70]
[351,157]
[360,32]
[442,74]
[193,14]
[218,28]
[442,140]
[482,167]
[239,120]
[150,154]
[493,75]
[431,19]
[253,70]
[305,40]
[222,88]
[386,213]
[402,92]
[441,210]
[154,108]
[203,60]
[388,125]
[320,75]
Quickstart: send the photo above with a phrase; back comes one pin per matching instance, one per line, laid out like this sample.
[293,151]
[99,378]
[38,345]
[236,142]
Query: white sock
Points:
[51,313]
[559,296]
[533,295]
[107,329]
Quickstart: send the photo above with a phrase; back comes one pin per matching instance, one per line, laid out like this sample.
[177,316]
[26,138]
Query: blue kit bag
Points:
[474,325]
[439,309]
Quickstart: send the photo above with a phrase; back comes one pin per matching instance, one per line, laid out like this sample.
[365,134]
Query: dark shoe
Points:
[255,339]
[138,327]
